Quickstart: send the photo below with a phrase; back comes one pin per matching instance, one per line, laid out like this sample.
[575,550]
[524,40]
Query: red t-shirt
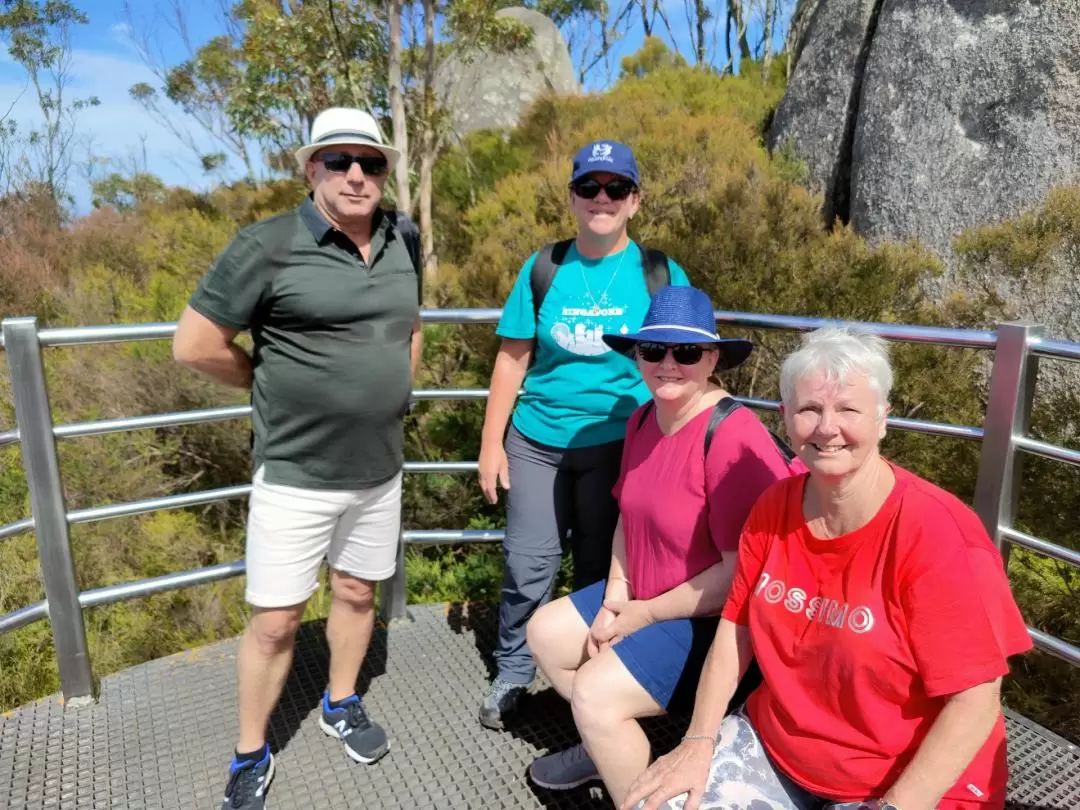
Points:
[860,638]
[679,514]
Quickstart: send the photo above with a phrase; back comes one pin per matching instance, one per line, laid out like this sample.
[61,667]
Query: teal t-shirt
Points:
[578,392]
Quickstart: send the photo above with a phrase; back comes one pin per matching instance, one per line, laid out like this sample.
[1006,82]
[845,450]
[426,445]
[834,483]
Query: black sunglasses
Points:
[685,354]
[370,165]
[617,189]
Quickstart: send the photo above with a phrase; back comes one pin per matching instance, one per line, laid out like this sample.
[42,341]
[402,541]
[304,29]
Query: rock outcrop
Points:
[485,90]
[920,118]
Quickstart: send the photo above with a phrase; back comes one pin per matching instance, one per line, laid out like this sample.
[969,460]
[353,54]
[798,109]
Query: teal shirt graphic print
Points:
[578,392]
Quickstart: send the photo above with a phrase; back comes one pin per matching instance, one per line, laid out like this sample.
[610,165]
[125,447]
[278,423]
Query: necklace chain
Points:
[603,295]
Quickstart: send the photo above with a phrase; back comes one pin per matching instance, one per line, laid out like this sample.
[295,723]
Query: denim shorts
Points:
[665,658]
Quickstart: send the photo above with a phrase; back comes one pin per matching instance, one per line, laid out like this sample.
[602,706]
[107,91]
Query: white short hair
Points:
[838,351]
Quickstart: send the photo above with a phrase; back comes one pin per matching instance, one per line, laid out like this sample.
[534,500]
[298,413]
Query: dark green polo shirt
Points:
[332,338]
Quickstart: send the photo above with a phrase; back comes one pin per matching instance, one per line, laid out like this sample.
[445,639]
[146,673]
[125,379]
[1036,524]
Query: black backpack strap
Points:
[783,447]
[410,234]
[544,268]
[657,271]
[721,411]
[645,413]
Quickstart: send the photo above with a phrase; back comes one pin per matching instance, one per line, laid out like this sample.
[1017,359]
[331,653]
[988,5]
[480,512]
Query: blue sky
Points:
[106,63]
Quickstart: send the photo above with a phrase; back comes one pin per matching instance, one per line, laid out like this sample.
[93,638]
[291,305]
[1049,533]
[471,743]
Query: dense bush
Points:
[737,219]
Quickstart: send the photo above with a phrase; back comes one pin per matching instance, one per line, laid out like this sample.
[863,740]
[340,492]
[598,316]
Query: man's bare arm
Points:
[208,348]
[417,347]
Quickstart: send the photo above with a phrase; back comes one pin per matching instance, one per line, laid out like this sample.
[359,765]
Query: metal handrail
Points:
[1016,348]
[1040,546]
[1051,451]
[943,336]
[121,592]
[16,528]
[1056,349]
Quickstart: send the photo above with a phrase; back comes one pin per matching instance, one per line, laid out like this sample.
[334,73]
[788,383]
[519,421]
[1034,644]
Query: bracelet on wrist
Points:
[698,737]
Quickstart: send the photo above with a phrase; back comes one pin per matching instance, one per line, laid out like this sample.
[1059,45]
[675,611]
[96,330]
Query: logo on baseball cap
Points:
[606,156]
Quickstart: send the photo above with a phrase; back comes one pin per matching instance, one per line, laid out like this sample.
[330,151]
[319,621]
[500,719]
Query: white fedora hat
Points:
[338,126]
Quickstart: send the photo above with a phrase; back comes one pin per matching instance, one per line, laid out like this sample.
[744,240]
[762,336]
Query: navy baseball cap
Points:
[606,156]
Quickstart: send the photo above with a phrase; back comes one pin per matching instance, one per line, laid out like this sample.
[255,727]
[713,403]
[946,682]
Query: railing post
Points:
[1008,415]
[393,597]
[38,445]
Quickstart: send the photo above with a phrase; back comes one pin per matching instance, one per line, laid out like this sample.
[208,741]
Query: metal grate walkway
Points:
[162,734]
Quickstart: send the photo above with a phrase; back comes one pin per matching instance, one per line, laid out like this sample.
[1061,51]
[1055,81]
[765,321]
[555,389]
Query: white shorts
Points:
[291,529]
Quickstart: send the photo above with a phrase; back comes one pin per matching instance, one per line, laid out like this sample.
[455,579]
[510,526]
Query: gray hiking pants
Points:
[554,494]
[742,777]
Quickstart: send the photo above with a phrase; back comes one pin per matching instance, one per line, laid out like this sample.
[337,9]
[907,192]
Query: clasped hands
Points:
[617,620]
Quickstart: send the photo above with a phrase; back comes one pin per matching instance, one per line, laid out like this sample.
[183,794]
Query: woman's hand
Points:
[630,616]
[684,770]
[598,631]
[494,469]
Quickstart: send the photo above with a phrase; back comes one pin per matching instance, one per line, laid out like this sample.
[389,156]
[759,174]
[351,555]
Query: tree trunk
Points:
[645,17]
[735,15]
[427,147]
[702,14]
[397,106]
[770,24]
[744,42]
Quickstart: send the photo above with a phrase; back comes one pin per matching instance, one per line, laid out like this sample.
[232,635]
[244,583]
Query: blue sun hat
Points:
[683,315]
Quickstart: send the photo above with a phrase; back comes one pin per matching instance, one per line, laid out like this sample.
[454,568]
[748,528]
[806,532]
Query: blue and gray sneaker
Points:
[564,770]
[248,782]
[364,741]
[501,700]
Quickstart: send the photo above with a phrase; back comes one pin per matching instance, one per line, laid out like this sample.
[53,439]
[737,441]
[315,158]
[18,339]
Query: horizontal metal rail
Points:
[941,336]
[1051,451]
[98,513]
[428,537]
[23,616]
[184,499]
[16,528]
[168,582]
[203,415]
[1056,349]
[1055,646]
[224,413]
[113,333]
[176,419]
[935,428]
[936,335]
[122,592]
[1037,544]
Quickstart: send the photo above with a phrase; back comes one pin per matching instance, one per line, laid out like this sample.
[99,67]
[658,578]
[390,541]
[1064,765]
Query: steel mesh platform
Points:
[162,734]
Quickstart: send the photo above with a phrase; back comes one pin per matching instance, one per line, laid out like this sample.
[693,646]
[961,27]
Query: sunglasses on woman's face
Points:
[685,354]
[617,189]
[341,162]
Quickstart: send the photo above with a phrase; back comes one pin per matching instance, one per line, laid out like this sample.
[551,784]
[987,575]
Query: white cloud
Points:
[121,32]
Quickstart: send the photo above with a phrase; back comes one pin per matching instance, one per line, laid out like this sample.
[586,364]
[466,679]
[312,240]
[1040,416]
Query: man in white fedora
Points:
[331,294]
